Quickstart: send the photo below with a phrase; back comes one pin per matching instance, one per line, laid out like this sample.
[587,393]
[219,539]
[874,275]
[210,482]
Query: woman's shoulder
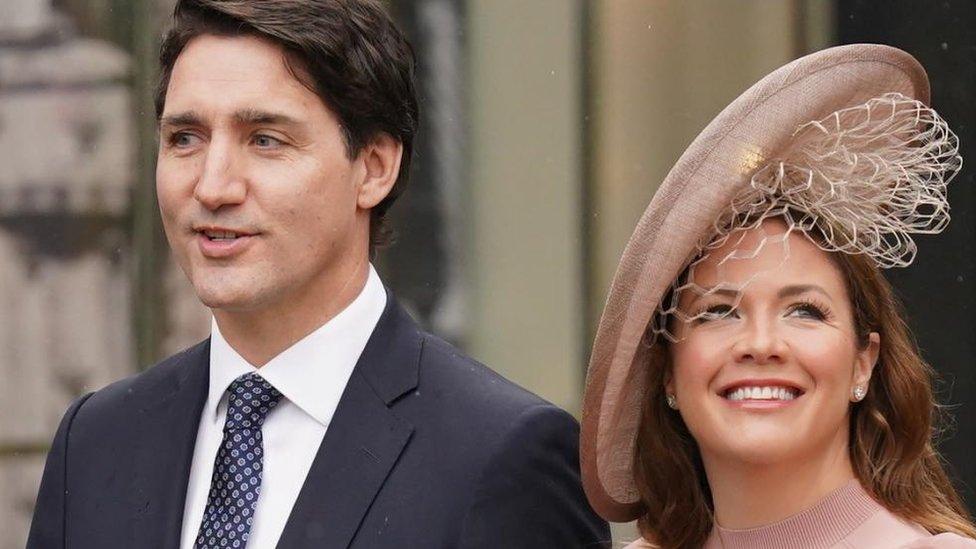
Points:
[942,541]
[885,529]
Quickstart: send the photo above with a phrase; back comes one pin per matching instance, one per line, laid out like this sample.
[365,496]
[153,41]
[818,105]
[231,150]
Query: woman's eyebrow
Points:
[797,289]
[721,291]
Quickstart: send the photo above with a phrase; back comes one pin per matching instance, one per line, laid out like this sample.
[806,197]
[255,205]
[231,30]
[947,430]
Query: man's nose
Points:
[760,342]
[221,182]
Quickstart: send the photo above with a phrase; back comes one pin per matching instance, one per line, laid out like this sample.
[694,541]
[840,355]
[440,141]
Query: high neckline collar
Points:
[823,525]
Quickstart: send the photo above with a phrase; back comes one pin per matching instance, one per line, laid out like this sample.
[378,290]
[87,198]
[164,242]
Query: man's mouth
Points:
[222,242]
[222,235]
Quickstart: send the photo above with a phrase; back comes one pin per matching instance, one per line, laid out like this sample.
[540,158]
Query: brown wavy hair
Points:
[891,432]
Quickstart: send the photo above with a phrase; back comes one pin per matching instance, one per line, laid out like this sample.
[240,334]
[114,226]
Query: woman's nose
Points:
[760,342]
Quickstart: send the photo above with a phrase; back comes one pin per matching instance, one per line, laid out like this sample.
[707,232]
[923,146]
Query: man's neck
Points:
[752,495]
[261,334]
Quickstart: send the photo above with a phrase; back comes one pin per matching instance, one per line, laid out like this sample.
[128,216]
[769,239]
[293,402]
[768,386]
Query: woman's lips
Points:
[758,392]
[760,396]
[761,404]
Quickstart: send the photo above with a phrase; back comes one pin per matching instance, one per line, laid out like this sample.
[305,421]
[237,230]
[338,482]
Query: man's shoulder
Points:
[462,387]
[465,412]
[444,366]
[158,380]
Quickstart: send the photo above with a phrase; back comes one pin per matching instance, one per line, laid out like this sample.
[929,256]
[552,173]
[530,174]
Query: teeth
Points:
[220,235]
[762,393]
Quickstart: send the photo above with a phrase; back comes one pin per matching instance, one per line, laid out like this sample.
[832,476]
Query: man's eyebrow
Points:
[249,117]
[797,289]
[188,118]
[245,117]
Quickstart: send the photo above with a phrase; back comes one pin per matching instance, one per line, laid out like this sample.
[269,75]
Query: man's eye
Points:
[183,139]
[267,142]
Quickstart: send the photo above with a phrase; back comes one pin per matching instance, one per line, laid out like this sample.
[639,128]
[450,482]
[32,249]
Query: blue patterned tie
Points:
[236,482]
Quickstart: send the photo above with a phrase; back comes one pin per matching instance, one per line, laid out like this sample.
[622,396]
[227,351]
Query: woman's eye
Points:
[808,310]
[715,312]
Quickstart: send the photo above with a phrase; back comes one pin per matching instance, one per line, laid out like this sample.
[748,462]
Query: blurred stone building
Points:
[66,144]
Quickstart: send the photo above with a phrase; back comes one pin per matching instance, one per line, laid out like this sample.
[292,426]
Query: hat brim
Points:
[709,174]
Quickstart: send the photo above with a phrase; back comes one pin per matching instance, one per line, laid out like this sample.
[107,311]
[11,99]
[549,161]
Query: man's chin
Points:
[224,299]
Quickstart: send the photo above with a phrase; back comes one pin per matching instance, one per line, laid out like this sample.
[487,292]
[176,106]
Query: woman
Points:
[753,383]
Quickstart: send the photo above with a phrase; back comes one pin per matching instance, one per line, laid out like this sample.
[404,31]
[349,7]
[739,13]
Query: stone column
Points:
[525,193]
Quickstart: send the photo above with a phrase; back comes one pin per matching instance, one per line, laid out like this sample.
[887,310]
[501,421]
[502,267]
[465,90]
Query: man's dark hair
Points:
[348,52]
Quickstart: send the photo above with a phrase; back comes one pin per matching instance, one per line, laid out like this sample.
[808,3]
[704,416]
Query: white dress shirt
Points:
[312,375]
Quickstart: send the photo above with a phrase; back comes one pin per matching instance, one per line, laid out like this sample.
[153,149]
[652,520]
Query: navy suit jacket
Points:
[427,449]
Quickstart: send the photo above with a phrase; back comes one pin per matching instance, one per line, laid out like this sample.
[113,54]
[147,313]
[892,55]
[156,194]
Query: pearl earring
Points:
[859,393]
[672,401]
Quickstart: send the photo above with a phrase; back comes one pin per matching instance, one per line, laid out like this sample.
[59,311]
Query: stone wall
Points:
[66,148]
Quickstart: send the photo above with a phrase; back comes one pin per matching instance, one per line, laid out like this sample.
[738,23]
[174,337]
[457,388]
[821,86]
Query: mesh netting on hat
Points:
[860,181]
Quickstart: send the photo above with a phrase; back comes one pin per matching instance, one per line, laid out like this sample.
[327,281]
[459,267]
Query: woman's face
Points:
[772,380]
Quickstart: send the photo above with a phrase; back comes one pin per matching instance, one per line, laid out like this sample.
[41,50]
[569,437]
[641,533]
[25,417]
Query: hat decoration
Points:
[863,180]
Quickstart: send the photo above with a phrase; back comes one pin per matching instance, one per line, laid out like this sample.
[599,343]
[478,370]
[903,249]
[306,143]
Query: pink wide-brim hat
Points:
[718,164]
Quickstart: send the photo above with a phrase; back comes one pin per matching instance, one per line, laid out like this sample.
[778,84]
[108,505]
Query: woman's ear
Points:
[381,159]
[669,396]
[867,358]
[668,382]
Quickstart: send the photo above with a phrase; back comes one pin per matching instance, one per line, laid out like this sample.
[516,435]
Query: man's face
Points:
[257,194]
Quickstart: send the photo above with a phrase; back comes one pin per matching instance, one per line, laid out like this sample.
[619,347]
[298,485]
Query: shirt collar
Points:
[313,372]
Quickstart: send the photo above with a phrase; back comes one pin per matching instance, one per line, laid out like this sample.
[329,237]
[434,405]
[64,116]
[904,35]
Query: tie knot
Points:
[249,401]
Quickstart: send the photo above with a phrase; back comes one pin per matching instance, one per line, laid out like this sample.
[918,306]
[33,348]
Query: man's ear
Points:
[381,159]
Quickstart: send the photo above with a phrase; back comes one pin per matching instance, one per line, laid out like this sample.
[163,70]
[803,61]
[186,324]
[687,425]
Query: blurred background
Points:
[547,126]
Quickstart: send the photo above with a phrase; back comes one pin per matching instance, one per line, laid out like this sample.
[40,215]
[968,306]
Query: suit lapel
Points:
[363,441]
[167,419]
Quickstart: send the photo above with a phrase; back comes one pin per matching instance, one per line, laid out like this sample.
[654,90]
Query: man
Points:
[317,414]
